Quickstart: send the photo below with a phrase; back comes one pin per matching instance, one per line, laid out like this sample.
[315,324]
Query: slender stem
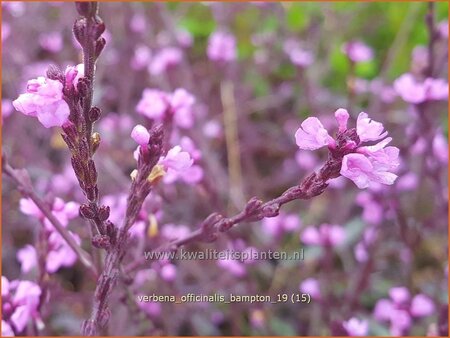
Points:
[28,191]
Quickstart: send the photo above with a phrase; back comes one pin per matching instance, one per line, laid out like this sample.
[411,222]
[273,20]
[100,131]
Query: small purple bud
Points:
[101,241]
[77,168]
[99,45]
[79,30]
[83,86]
[111,231]
[103,213]
[91,174]
[94,114]
[99,28]
[253,205]
[271,210]
[86,211]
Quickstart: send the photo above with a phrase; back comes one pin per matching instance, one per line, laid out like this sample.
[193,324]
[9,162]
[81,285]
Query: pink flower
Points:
[311,286]
[440,147]
[73,74]
[277,226]
[324,235]
[443,29]
[357,51]
[368,129]
[159,105]
[400,309]
[356,327]
[7,108]
[140,134]
[416,92]
[236,268]
[61,210]
[362,164]
[312,135]
[53,41]
[178,165]
[27,257]
[60,254]
[184,38]
[362,171]
[372,210]
[6,31]
[298,56]
[21,299]
[222,47]
[164,59]
[168,272]
[181,103]
[141,57]
[153,104]
[44,100]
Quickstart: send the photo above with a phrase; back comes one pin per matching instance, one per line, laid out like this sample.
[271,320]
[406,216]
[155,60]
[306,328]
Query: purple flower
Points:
[168,272]
[298,56]
[416,92]
[44,100]
[311,286]
[312,135]
[362,164]
[357,51]
[159,105]
[400,309]
[274,227]
[53,41]
[141,57]
[443,29]
[222,47]
[440,147]
[6,31]
[20,301]
[236,268]
[74,74]
[27,257]
[324,235]
[61,210]
[153,104]
[164,59]
[372,210]
[356,327]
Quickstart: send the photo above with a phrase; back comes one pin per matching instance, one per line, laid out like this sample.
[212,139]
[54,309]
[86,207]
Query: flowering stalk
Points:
[21,178]
[147,174]
[78,131]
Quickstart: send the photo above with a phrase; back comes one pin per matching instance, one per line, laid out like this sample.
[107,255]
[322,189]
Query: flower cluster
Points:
[58,252]
[161,106]
[362,163]
[357,51]
[222,47]
[175,164]
[20,301]
[416,92]
[44,97]
[400,309]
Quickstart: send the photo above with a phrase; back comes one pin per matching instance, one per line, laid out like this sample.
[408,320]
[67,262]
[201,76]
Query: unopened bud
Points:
[103,213]
[79,30]
[99,45]
[101,241]
[94,114]
[99,28]
[86,211]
